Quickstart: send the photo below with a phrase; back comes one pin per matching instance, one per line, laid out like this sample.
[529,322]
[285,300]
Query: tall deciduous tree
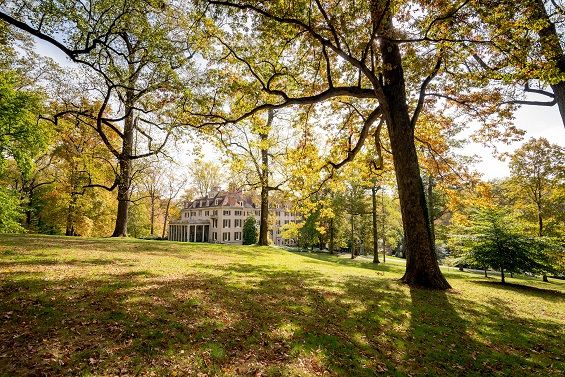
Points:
[310,52]
[257,155]
[136,49]
[536,168]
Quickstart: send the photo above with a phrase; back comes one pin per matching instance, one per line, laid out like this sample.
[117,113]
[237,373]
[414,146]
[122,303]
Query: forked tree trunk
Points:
[422,268]
[375,226]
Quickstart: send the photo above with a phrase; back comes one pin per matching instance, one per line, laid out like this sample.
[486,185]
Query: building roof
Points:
[221,199]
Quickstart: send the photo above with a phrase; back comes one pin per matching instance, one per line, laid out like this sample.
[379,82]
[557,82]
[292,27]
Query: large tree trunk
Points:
[125,163]
[375,226]
[422,268]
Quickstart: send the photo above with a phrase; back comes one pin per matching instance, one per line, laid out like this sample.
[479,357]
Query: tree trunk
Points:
[375,226]
[332,243]
[553,52]
[264,172]
[486,273]
[166,217]
[545,278]
[121,228]
[502,275]
[383,234]
[152,213]
[352,239]
[431,209]
[71,210]
[422,268]
[264,220]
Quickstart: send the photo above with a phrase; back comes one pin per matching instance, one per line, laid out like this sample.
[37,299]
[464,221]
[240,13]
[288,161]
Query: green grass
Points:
[72,306]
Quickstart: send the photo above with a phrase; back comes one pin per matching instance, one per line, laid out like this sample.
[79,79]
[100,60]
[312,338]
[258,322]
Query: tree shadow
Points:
[545,293]
[245,318]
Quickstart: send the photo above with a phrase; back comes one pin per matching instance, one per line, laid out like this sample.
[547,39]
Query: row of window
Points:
[215,213]
[226,236]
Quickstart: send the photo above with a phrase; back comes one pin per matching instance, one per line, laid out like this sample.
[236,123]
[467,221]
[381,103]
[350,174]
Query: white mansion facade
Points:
[219,218]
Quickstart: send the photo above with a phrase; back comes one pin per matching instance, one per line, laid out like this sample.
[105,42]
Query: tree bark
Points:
[125,164]
[502,275]
[264,220]
[486,273]
[375,226]
[422,268]
[545,278]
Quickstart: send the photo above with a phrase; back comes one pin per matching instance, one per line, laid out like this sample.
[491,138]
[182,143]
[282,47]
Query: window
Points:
[257,213]
[206,213]
[238,223]
[186,215]
[193,213]
[238,213]
[216,202]
[200,213]
[214,223]
[207,203]
[278,213]
[215,212]
[237,236]
[226,236]
[214,236]
[227,223]
[227,213]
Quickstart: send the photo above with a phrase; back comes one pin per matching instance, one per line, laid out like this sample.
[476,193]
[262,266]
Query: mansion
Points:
[219,218]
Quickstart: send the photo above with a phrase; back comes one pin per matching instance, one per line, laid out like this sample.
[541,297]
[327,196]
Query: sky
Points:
[537,121]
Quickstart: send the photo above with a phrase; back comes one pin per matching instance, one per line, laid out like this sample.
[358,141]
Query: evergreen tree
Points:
[250,231]
[495,244]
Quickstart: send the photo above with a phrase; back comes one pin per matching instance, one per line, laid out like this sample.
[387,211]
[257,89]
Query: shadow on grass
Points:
[246,319]
[325,257]
[545,293]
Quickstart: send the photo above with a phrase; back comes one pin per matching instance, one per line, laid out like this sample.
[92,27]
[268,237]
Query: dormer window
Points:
[216,202]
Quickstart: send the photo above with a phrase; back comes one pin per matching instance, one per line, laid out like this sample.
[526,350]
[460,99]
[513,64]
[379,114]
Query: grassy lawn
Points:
[72,306]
